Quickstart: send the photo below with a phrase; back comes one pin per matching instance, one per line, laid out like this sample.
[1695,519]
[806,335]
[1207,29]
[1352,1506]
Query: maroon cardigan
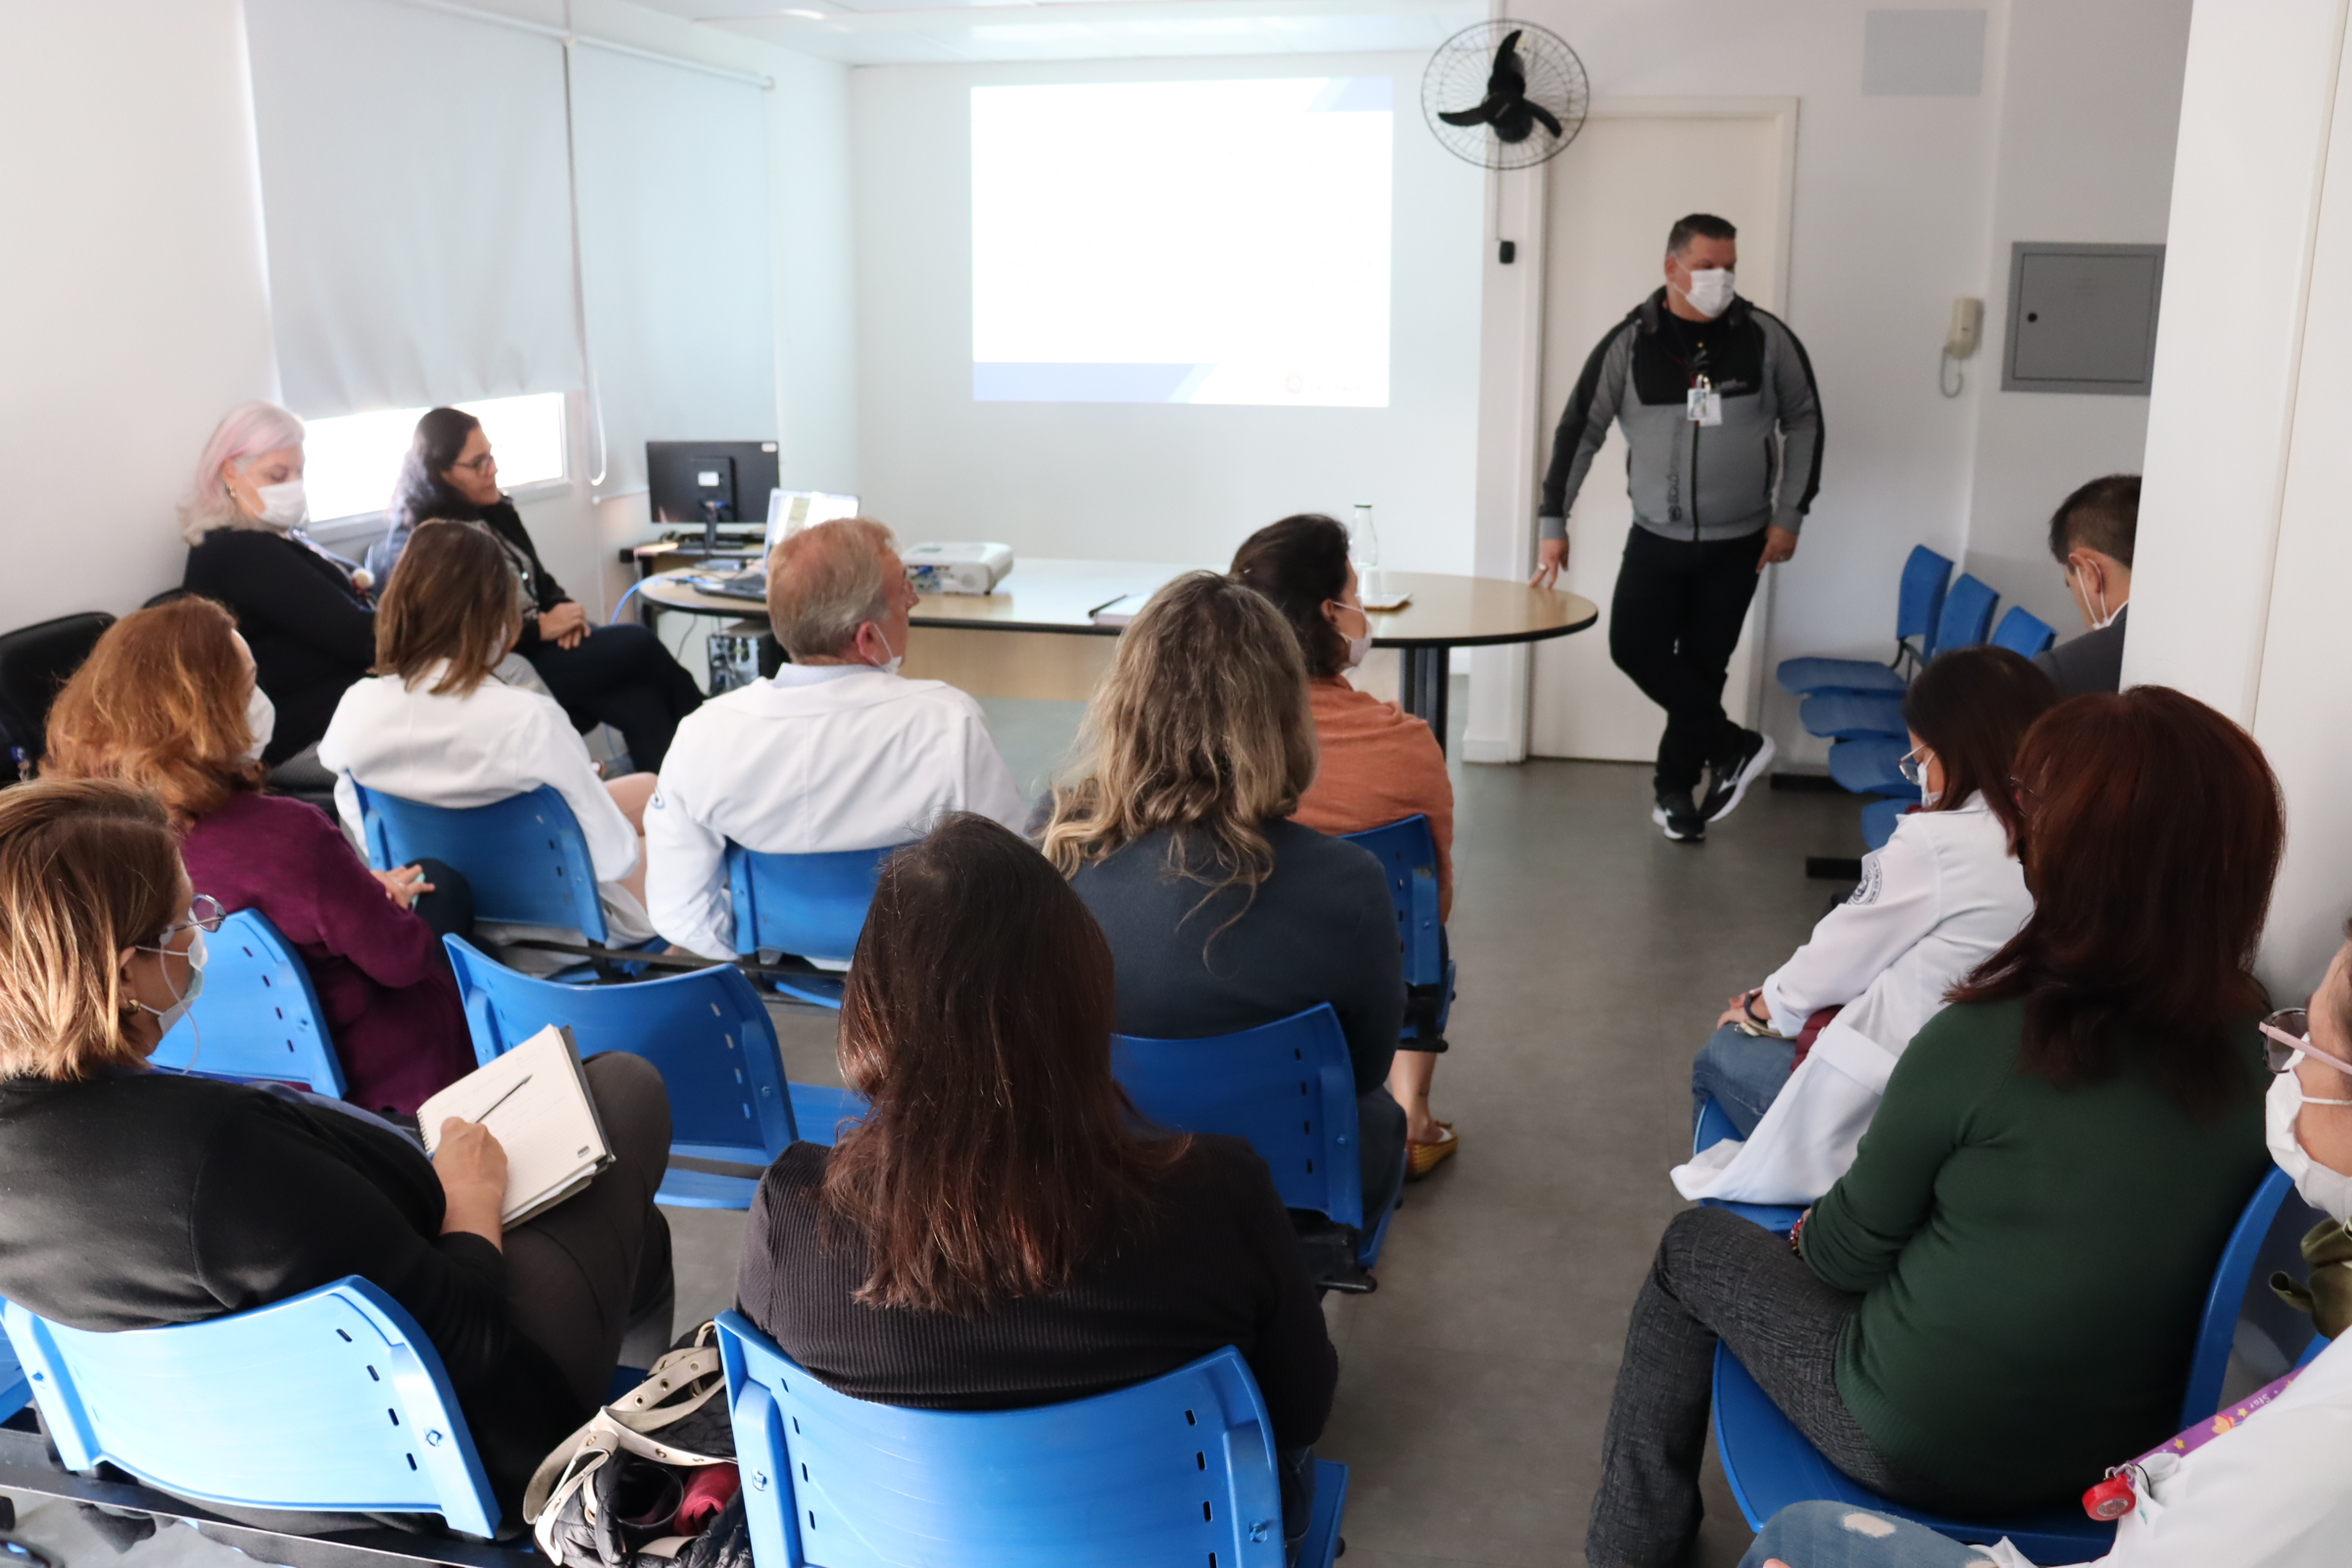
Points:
[390,1001]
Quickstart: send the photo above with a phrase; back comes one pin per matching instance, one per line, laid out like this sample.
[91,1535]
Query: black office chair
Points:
[35,663]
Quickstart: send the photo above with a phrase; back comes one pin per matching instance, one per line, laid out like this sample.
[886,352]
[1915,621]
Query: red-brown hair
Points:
[1000,1154]
[159,703]
[2153,829]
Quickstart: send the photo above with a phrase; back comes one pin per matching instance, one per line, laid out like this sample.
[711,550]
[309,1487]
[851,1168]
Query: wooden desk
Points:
[1058,599]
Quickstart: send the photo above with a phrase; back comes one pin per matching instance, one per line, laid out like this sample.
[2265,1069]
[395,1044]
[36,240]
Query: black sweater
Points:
[311,632]
[151,1198]
[1319,928]
[1214,1265]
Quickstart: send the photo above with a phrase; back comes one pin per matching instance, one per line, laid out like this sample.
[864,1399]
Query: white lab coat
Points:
[1943,895]
[494,742]
[819,758]
[2272,1493]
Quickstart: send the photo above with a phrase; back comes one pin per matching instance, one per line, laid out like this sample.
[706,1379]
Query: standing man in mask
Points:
[1720,413]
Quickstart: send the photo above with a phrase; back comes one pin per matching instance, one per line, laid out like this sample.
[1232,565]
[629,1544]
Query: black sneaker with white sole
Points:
[1675,814]
[1729,776]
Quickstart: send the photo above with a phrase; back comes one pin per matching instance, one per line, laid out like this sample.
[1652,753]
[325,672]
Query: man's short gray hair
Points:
[827,580]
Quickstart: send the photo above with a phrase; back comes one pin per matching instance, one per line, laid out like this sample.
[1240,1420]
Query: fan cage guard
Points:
[1456,79]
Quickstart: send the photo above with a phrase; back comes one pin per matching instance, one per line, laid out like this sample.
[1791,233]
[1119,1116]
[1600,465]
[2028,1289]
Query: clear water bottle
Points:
[1364,545]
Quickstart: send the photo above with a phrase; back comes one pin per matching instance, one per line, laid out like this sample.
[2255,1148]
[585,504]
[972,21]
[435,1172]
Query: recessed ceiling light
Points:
[809,16]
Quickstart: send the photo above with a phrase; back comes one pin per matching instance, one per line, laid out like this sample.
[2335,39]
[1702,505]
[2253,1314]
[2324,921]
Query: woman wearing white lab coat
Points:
[1941,897]
[439,723]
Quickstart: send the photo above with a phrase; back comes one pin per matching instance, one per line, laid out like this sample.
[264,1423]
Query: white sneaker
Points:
[1730,777]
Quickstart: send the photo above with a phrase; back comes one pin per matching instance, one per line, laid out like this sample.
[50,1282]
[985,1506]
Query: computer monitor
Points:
[704,483]
[791,510]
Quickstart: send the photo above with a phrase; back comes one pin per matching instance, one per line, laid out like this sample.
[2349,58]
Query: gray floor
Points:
[1593,957]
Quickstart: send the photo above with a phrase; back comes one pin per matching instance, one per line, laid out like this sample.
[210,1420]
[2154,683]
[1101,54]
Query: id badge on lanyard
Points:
[1703,404]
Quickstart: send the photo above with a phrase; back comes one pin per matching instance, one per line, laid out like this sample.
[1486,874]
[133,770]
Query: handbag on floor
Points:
[641,1483]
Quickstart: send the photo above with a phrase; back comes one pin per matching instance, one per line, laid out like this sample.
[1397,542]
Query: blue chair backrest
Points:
[1408,854]
[705,1031]
[1288,1087]
[525,857]
[257,1016]
[2021,631]
[2225,1299]
[812,905]
[1174,1473]
[1966,617]
[332,1399]
[1920,597]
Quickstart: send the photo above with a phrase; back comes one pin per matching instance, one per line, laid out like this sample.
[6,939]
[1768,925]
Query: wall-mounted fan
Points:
[1505,94]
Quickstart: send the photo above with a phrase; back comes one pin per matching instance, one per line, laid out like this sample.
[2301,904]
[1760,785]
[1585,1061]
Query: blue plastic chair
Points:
[808,906]
[259,1018]
[1712,1128]
[1770,1464]
[1287,1087]
[1878,818]
[1967,616]
[1175,1473]
[1408,854]
[1919,600]
[331,1400]
[1870,764]
[706,1032]
[525,857]
[2021,631]
[1849,716]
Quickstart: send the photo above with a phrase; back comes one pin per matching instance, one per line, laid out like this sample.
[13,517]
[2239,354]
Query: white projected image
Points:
[1182,242]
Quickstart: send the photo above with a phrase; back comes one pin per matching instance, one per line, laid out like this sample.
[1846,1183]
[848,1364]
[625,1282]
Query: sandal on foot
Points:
[1422,1158]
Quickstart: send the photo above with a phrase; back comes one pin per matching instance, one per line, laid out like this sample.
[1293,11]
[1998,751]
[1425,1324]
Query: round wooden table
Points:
[1056,596]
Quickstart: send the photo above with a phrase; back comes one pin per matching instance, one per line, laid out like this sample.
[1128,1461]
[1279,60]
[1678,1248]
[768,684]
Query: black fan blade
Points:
[1515,123]
[1509,76]
[1543,116]
[1480,116]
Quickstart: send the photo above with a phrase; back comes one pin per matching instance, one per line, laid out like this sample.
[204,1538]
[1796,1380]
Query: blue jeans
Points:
[1837,1534]
[1741,1072]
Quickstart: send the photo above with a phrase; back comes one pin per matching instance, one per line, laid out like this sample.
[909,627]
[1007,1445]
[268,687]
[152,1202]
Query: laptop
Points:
[788,513]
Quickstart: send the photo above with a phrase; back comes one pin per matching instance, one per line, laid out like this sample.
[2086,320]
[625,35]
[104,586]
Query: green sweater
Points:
[2032,1262]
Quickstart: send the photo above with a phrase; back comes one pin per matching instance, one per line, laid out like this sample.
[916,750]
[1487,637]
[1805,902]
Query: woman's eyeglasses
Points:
[481,465]
[204,913]
[2286,1035]
[1914,766]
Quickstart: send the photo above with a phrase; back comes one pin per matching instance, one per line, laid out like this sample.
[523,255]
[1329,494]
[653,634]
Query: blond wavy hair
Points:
[87,869]
[1201,727]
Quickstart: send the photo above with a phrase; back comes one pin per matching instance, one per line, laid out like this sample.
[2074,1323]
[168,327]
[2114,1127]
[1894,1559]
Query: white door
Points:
[1613,195]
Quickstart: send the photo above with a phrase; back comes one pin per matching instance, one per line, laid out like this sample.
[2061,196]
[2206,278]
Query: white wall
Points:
[132,282]
[1902,204]
[2089,111]
[1147,481]
[2244,555]
[137,294]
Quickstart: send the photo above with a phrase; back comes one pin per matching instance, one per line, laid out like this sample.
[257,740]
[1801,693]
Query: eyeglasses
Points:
[1914,766]
[204,913]
[2287,1035]
[481,465]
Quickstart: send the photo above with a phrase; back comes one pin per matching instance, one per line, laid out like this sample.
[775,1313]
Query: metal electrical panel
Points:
[2082,318]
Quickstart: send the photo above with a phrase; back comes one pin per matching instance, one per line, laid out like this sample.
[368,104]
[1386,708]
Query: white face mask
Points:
[1711,291]
[284,506]
[261,718]
[1358,648]
[168,1017]
[2323,1189]
[890,665]
[2094,605]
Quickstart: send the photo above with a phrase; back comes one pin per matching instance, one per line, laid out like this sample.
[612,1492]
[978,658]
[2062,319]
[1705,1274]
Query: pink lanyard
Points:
[2118,1494]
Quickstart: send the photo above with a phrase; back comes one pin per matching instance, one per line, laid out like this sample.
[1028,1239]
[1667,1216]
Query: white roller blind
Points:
[675,256]
[415,192]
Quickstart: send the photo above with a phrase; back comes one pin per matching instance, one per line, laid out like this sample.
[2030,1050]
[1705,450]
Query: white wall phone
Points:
[1960,343]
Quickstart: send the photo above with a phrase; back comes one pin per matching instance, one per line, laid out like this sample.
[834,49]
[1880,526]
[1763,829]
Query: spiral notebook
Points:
[535,1101]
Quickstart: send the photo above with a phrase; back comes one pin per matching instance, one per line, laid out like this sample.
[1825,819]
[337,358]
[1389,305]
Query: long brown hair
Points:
[2153,829]
[87,869]
[159,703]
[998,1154]
[1201,727]
[1971,706]
[423,490]
[452,597]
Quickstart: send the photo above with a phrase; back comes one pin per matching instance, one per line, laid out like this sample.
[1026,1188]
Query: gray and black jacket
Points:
[1690,481]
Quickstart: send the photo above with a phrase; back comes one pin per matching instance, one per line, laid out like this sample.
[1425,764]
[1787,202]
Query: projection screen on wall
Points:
[1182,242]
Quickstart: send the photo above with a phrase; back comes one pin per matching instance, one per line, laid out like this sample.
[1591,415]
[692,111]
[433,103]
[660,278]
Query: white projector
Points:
[970,568]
